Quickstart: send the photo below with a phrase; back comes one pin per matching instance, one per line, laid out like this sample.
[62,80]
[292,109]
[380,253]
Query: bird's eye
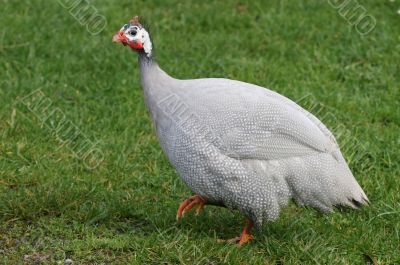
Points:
[133,32]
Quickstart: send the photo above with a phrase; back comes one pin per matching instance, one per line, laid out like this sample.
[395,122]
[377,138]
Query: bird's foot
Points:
[240,240]
[188,204]
[244,237]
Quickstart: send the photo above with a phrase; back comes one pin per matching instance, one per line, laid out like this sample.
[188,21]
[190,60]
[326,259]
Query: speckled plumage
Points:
[246,147]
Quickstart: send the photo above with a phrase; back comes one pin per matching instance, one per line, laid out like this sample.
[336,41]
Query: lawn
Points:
[58,206]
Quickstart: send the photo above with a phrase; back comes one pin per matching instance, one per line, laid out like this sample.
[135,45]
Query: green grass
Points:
[124,210]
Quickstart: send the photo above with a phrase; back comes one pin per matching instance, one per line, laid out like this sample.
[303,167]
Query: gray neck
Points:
[145,61]
[157,85]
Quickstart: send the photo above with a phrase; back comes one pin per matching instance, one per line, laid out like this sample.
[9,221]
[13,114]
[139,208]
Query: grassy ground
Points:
[52,208]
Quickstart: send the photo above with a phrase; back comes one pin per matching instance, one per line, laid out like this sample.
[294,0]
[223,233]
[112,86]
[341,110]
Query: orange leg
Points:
[244,236]
[188,204]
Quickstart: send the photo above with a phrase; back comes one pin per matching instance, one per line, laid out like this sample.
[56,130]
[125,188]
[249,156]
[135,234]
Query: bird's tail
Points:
[350,192]
[329,183]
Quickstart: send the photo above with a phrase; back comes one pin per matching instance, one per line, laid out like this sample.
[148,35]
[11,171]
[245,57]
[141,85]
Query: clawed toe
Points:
[239,240]
[230,240]
[244,237]
[199,202]
[188,204]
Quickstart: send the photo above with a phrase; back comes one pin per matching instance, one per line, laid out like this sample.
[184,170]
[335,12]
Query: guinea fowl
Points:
[241,146]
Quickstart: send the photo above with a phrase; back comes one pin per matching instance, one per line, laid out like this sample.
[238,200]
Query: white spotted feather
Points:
[246,147]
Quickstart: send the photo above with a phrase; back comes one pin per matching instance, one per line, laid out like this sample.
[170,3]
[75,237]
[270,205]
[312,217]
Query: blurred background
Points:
[111,196]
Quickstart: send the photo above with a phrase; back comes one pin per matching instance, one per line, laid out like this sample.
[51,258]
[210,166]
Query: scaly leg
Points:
[188,204]
[244,236]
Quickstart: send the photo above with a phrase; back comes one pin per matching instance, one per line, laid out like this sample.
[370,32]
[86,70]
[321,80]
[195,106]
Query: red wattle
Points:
[135,45]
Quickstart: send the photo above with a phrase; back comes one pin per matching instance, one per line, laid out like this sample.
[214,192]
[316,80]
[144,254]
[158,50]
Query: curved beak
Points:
[119,37]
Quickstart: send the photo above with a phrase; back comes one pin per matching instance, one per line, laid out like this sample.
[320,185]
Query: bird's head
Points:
[135,36]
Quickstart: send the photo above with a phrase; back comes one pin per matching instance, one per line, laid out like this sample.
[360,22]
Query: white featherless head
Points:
[135,36]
